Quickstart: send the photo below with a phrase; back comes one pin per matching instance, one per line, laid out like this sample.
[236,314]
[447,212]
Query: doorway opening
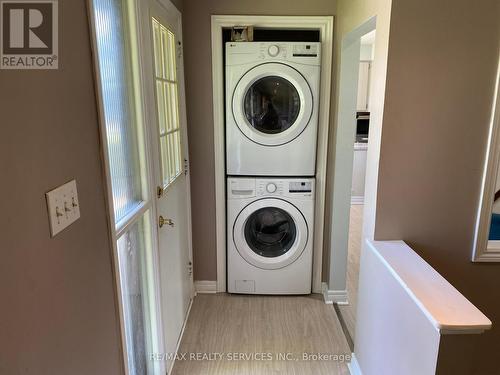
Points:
[357,200]
[361,88]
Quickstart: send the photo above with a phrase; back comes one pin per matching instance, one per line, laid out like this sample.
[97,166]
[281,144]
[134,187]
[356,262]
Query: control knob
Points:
[271,187]
[273,50]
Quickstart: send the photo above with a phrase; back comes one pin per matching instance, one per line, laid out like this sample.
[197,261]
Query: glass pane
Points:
[494,227]
[494,234]
[168,105]
[174,105]
[160,99]
[136,281]
[178,159]
[171,156]
[118,104]
[171,56]
[271,104]
[270,232]
[164,164]
[157,49]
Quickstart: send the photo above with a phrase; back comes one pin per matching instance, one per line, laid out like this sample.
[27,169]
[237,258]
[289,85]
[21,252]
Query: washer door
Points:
[270,233]
[272,104]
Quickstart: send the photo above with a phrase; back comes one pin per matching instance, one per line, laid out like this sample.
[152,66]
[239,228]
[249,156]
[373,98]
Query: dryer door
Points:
[272,104]
[270,233]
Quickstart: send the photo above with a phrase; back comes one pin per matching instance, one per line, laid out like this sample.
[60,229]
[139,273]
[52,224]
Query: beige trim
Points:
[325,25]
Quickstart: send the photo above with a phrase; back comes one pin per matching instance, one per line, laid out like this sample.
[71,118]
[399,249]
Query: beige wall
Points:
[57,313]
[442,64]
[198,70]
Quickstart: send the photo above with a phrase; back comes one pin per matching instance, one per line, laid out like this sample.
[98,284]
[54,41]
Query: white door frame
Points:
[345,134]
[483,249]
[325,25]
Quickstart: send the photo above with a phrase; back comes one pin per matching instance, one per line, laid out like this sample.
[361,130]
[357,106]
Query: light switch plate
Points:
[63,206]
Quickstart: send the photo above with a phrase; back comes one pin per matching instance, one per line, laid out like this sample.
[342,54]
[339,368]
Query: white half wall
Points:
[404,309]
[393,336]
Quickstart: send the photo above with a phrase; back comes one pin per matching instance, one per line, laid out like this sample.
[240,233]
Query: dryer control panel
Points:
[250,52]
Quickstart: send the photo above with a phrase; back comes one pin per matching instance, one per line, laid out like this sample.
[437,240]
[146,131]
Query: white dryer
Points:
[272,93]
[270,235]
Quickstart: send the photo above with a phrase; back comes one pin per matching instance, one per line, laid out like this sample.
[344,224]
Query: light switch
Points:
[63,206]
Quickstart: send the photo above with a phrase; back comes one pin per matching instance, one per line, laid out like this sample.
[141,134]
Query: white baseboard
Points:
[334,296]
[205,287]
[354,368]
[358,200]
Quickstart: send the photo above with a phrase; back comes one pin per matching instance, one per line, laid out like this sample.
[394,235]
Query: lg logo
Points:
[29,35]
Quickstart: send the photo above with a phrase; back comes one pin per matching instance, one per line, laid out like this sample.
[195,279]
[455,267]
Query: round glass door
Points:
[270,232]
[271,105]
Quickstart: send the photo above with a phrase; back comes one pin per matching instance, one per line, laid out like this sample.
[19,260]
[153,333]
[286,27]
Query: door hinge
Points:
[190,268]
[179,49]
[186,167]
[159,191]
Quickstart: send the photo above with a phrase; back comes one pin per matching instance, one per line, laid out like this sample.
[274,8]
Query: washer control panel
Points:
[251,187]
[291,187]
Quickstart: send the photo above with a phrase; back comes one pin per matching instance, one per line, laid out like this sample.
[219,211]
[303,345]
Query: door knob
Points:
[162,221]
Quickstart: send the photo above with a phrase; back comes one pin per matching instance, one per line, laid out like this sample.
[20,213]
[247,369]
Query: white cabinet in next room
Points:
[363,86]
[358,173]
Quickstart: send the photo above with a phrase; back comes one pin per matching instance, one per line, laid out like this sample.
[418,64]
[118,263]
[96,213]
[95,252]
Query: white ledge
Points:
[448,310]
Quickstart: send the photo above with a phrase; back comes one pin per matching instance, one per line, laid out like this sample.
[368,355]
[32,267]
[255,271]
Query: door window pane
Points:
[135,263]
[270,232]
[271,104]
[167,102]
[115,70]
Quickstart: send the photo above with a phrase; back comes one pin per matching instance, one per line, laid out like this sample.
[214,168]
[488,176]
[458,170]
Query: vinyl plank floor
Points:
[238,327]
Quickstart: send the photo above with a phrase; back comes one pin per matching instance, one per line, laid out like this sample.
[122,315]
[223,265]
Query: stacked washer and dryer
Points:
[271,129]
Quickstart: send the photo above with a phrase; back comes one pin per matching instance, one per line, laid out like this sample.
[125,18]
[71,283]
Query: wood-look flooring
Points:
[354,249]
[235,325]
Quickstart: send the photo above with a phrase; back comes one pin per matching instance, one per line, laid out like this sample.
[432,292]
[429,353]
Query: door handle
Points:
[162,221]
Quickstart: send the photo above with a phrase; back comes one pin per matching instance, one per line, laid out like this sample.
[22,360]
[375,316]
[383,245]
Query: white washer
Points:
[270,235]
[272,93]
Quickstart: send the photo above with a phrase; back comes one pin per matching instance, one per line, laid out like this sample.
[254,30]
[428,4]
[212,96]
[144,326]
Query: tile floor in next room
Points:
[234,324]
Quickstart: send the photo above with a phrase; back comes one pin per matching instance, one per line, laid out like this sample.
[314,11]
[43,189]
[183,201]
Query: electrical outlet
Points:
[63,206]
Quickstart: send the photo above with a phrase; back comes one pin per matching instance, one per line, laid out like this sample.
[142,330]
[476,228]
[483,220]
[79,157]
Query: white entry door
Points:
[165,102]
